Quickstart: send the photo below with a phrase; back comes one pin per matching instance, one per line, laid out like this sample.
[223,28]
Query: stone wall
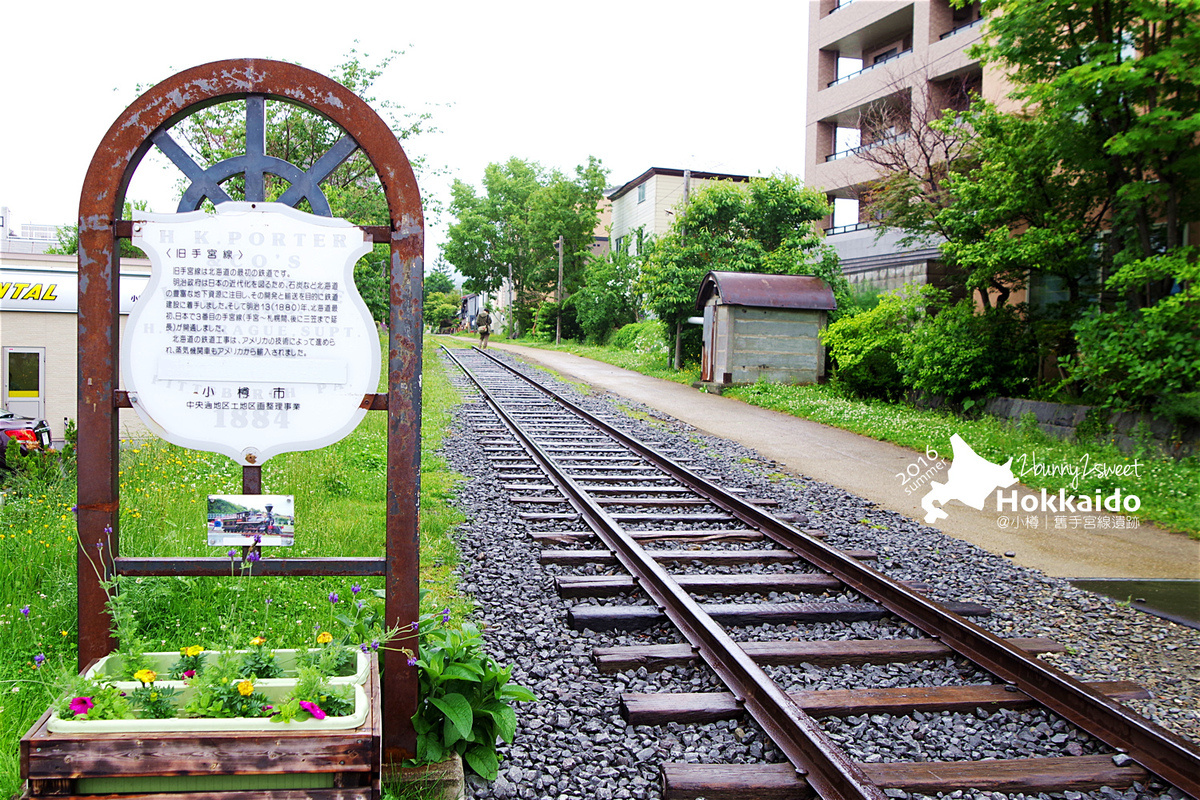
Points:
[1129,431]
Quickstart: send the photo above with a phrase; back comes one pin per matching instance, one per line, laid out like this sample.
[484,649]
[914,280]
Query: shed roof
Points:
[769,291]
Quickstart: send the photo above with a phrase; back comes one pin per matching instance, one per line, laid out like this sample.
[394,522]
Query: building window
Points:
[642,193]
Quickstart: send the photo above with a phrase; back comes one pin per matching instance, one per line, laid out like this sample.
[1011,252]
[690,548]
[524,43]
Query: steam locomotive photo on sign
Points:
[249,519]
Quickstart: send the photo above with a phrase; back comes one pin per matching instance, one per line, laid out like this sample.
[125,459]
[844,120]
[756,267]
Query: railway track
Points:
[595,496]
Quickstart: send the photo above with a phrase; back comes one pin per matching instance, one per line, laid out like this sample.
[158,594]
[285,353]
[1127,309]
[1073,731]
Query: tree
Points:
[1022,207]
[916,142]
[441,309]
[68,235]
[300,137]
[1129,73]
[764,226]
[509,232]
[439,281]
[608,300]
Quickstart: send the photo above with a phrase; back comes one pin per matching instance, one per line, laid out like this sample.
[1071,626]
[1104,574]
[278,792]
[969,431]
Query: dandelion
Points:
[64,633]
[81,705]
[245,688]
[325,638]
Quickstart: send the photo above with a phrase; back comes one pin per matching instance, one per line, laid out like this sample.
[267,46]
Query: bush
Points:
[959,353]
[866,346]
[1147,358]
[640,337]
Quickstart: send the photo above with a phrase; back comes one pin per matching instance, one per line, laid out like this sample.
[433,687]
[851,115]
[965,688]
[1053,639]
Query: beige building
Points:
[877,67]
[38,327]
[648,202]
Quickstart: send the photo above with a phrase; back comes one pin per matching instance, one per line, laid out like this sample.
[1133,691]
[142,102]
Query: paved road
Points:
[869,469]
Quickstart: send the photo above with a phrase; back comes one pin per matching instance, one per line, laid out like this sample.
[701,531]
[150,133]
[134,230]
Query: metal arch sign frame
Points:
[145,124]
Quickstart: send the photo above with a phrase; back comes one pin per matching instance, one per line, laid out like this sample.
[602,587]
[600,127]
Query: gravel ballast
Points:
[573,743]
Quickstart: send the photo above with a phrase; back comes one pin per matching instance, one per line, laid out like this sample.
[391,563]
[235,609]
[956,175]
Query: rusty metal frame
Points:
[101,202]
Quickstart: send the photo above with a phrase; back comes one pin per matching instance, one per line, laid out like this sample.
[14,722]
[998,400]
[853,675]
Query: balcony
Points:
[877,64]
[864,147]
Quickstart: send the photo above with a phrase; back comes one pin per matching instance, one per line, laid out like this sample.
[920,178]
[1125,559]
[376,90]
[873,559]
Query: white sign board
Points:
[251,338]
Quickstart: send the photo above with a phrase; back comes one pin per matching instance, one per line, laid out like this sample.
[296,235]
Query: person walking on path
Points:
[483,324]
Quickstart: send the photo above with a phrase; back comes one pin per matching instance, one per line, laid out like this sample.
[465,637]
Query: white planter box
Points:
[275,693]
[110,667]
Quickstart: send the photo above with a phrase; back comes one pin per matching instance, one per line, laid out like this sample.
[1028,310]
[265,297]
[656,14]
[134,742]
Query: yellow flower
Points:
[64,633]
[325,638]
[245,688]
[258,640]
[145,675]
[193,651]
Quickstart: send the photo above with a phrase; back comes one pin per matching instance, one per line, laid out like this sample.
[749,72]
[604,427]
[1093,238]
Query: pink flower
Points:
[313,709]
[81,705]
[190,673]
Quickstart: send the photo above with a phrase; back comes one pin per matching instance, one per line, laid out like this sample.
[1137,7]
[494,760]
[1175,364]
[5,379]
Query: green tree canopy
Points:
[512,227]
[439,281]
[1128,73]
[764,226]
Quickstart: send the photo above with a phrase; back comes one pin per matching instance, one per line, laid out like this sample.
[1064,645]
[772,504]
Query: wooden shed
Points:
[762,327]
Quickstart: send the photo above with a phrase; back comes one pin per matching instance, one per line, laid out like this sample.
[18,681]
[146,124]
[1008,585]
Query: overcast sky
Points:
[697,85]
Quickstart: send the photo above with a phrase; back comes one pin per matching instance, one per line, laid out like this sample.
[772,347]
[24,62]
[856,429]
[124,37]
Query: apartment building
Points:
[876,69]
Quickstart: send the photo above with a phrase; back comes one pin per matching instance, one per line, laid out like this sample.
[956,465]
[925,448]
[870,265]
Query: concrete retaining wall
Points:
[1129,431]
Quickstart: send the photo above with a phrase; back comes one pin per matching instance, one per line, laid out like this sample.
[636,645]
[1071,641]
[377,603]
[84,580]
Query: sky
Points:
[694,85]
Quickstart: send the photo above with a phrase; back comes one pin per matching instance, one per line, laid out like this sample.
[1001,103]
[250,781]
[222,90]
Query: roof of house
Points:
[769,291]
[678,173]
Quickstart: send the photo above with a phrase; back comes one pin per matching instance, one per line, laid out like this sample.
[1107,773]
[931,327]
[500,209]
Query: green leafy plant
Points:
[313,698]
[153,702]
[221,691]
[259,661]
[465,696]
[87,699]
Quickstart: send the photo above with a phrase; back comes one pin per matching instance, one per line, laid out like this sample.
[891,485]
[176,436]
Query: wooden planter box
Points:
[275,764]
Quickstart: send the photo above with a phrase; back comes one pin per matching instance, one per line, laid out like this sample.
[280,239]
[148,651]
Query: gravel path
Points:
[573,742]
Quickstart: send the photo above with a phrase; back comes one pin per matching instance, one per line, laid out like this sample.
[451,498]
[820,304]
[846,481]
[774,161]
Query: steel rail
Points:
[832,775]
[1155,748]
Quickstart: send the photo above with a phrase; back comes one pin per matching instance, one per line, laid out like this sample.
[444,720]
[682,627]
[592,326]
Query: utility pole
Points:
[558,297]
[687,186]
[512,307]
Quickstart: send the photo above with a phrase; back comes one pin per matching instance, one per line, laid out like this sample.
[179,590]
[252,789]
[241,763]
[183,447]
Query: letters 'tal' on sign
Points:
[251,338]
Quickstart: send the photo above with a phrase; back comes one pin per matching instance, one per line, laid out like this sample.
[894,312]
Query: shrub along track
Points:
[600,485]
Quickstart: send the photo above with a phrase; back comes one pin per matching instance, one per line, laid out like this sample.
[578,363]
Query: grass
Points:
[1169,490]
[340,495]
